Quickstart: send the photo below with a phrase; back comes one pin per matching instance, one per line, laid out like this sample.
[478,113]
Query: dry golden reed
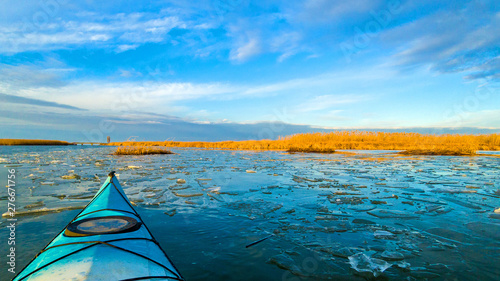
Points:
[32,142]
[142,150]
[411,143]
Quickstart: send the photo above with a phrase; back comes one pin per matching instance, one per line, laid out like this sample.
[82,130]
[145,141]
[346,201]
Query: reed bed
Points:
[455,151]
[141,150]
[32,142]
[410,143]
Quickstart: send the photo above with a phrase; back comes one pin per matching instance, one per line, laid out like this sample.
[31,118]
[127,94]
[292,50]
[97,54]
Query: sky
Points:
[240,69]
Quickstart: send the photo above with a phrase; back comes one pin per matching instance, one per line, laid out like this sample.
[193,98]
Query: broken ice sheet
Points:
[362,207]
[392,256]
[396,214]
[366,265]
[382,234]
[431,209]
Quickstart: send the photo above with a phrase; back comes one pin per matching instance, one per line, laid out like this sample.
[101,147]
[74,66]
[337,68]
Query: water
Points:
[424,217]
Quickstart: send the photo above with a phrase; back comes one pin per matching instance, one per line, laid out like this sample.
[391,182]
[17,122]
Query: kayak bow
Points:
[106,241]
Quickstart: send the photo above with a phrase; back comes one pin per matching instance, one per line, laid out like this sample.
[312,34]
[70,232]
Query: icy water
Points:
[341,216]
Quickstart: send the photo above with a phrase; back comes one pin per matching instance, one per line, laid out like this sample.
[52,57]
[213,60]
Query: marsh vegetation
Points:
[409,143]
[141,150]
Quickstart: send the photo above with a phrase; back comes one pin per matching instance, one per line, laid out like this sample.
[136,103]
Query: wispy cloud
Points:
[268,33]
[321,11]
[120,31]
[323,102]
[459,41]
[248,48]
[288,44]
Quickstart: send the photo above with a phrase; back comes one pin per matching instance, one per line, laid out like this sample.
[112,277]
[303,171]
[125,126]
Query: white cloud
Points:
[321,92]
[100,37]
[149,96]
[126,47]
[246,50]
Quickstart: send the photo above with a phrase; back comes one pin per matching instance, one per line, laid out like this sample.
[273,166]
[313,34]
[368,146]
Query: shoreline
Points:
[27,142]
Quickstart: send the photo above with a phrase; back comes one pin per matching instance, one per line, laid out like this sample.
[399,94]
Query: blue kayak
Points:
[106,241]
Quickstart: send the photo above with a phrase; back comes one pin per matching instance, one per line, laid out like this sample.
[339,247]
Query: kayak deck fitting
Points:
[106,241]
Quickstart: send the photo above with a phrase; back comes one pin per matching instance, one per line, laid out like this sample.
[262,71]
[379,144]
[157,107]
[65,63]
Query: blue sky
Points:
[179,69]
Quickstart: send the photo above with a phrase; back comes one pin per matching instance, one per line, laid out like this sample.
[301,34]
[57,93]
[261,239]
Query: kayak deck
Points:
[107,241]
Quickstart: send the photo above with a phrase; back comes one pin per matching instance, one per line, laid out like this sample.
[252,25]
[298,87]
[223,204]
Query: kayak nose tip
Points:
[111,174]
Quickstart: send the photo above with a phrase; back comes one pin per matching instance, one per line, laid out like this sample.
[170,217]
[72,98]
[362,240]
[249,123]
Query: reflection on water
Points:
[341,216]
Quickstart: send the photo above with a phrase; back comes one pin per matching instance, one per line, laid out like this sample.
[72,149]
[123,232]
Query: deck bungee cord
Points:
[106,241]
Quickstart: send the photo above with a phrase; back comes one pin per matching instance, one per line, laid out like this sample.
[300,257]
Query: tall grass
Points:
[32,142]
[144,150]
[411,143]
